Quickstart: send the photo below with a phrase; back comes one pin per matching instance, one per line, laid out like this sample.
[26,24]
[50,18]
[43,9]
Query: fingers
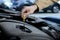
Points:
[25,11]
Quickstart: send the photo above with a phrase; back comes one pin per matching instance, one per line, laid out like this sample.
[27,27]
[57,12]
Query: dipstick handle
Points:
[23,16]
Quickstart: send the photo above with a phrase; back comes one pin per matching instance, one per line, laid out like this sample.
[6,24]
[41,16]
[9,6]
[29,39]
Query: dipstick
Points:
[23,16]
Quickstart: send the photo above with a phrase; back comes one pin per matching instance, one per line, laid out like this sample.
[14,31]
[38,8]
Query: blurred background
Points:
[54,8]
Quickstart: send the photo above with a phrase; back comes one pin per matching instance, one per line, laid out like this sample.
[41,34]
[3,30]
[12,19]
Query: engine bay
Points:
[14,28]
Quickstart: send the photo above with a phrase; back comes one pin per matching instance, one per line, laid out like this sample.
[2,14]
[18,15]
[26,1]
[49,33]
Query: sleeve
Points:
[44,3]
[55,0]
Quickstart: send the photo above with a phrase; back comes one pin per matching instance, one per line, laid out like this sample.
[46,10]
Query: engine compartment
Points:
[29,27]
[39,24]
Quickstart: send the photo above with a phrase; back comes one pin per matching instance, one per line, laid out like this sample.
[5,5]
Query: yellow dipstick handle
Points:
[23,16]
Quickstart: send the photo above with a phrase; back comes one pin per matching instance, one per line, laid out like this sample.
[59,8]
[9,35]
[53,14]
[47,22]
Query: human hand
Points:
[27,10]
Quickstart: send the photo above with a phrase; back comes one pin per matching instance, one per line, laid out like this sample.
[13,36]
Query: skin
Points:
[27,10]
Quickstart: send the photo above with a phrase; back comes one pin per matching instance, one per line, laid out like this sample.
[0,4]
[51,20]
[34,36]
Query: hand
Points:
[27,10]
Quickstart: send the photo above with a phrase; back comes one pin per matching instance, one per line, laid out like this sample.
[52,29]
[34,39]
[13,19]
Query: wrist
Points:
[35,6]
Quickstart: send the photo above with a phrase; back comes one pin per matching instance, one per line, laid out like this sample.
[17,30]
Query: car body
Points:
[33,29]
[12,27]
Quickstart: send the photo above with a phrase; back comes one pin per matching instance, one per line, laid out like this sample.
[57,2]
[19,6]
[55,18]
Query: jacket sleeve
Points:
[44,3]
